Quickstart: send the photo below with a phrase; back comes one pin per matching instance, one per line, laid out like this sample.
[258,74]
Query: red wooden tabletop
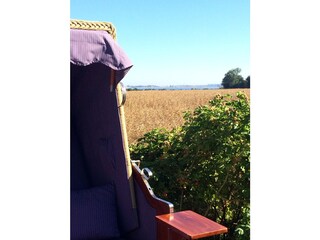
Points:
[191,224]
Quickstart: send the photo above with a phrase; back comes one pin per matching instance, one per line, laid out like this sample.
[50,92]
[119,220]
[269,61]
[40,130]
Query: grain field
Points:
[146,110]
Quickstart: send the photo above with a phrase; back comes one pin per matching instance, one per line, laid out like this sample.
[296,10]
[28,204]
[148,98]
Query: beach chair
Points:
[110,194]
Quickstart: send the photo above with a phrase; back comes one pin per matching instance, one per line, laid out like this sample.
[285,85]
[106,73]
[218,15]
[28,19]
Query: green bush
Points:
[205,164]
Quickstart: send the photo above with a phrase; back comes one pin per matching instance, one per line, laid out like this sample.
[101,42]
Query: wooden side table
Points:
[186,225]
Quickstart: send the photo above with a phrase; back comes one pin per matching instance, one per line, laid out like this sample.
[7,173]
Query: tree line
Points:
[233,79]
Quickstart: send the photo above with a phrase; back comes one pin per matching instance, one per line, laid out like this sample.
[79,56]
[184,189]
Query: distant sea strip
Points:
[174,87]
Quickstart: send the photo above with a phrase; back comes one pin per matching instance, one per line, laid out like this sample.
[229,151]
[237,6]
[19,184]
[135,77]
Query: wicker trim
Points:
[91,25]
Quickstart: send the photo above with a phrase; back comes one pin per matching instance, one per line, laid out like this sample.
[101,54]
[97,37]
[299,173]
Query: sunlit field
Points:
[146,110]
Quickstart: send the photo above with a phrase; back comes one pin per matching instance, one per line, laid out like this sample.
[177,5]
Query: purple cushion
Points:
[94,213]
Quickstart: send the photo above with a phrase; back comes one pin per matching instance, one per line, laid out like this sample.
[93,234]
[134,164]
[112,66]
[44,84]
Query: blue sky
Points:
[175,42]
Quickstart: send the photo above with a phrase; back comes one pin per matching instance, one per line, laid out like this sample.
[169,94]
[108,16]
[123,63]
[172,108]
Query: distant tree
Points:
[233,79]
[244,83]
[248,81]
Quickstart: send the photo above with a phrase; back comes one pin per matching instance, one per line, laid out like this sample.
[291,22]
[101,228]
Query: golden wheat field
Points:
[146,110]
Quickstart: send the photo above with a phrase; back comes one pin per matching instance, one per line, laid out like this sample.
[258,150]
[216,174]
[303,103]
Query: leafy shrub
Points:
[205,164]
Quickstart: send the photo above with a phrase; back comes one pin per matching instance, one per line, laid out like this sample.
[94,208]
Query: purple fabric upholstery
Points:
[147,224]
[94,213]
[97,156]
[79,175]
[91,120]
[88,47]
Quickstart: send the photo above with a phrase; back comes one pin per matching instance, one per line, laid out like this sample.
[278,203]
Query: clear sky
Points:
[173,42]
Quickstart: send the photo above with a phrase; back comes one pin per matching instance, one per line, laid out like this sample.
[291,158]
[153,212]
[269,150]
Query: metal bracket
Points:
[124,94]
[146,173]
[136,162]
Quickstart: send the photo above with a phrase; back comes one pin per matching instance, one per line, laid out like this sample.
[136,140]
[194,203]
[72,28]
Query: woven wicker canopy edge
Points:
[94,25]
